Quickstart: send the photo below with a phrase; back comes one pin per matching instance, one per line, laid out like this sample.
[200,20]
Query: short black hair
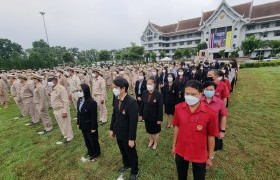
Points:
[152,79]
[195,84]
[121,83]
[209,83]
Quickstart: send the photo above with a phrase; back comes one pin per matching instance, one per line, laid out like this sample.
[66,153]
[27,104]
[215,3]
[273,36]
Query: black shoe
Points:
[21,116]
[133,177]
[66,142]
[123,169]
[91,158]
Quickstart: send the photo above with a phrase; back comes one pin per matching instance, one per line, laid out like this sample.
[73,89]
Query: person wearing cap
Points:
[99,94]
[74,83]
[63,81]
[108,76]
[4,99]
[61,109]
[40,100]
[15,92]
[26,96]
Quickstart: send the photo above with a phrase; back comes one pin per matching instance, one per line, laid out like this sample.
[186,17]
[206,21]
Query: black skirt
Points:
[218,144]
[152,127]
[169,109]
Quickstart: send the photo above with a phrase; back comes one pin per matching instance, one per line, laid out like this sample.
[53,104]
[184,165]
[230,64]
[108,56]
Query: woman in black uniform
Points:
[181,81]
[152,112]
[169,94]
[87,121]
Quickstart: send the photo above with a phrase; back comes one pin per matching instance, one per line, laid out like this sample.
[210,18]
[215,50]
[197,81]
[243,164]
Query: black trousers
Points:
[129,156]
[199,169]
[92,144]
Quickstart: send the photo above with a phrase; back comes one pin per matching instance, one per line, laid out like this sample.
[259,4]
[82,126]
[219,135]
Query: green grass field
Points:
[252,144]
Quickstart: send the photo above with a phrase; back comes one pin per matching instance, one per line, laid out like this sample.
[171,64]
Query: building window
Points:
[235,36]
[174,44]
[249,35]
[175,37]
[251,27]
[189,42]
[159,44]
[235,29]
[167,51]
[182,36]
[264,34]
[233,45]
[149,33]
[181,43]
[265,25]
[206,39]
[197,34]
[277,24]
[207,32]
[150,45]
[197,41]
[277,33]
[189,35]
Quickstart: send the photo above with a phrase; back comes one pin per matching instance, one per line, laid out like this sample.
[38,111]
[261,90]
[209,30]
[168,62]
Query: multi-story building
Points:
[222,29]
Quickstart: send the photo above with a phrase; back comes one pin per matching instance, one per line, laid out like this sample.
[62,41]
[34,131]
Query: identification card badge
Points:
[123,112]
[155,100]
[199,127]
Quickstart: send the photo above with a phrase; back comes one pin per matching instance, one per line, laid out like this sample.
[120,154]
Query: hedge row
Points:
[260,64]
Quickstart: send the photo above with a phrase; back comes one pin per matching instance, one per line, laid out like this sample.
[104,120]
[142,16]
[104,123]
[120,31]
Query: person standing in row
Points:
[124,126]
[87,121]
[169,94]
[152,112]
[74,83]
[194,134]
[26,96]
[219,107]
[15,92]
[61,109]
[99,94]
[140,87]
[4,98]
[41,103]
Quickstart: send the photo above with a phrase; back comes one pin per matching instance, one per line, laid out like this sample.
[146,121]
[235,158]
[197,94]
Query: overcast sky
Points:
[99,24]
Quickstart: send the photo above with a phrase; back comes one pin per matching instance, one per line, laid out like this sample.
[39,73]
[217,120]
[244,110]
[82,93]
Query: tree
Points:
[162,54]
[250,44]
[202,46]
[9,49]
[135,53]
[222,53]
[187,52]
[68,57]
[234,53]
[104,55]
[147,56]
[153,56]
[178,54]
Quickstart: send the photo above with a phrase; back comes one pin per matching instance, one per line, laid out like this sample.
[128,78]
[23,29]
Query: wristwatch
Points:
[211,158]
[223,131]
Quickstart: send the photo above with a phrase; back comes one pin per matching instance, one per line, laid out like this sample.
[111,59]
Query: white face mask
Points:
[164,71]
[191,100]
[220,78]
[180,73]
[94,75]
[193,72]
[122,73]
[66,73]
[80,94]
[18,81]
[116,92]
[51,84]
[154,73]
[170,79]
[224,71]
[150,87]
[141,77]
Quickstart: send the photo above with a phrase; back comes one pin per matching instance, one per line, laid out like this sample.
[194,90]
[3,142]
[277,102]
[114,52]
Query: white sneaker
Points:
[16,118]
[83,159]
[75,118]
[58,142]
[120,177]
[41,132]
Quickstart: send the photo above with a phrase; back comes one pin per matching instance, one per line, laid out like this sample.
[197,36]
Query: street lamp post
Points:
[43,15]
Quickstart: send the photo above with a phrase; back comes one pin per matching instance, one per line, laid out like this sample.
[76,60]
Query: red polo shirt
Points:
[194,129]
[218,106]
[222,90]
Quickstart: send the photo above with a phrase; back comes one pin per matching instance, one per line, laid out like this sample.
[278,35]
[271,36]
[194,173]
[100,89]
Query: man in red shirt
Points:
[221,111]
[194,133]
[221,91]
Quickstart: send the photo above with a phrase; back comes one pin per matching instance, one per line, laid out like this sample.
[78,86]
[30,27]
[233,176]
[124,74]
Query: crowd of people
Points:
[194,97]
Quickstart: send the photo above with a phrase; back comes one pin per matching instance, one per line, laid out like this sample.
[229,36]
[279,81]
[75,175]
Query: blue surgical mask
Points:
[209,94]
